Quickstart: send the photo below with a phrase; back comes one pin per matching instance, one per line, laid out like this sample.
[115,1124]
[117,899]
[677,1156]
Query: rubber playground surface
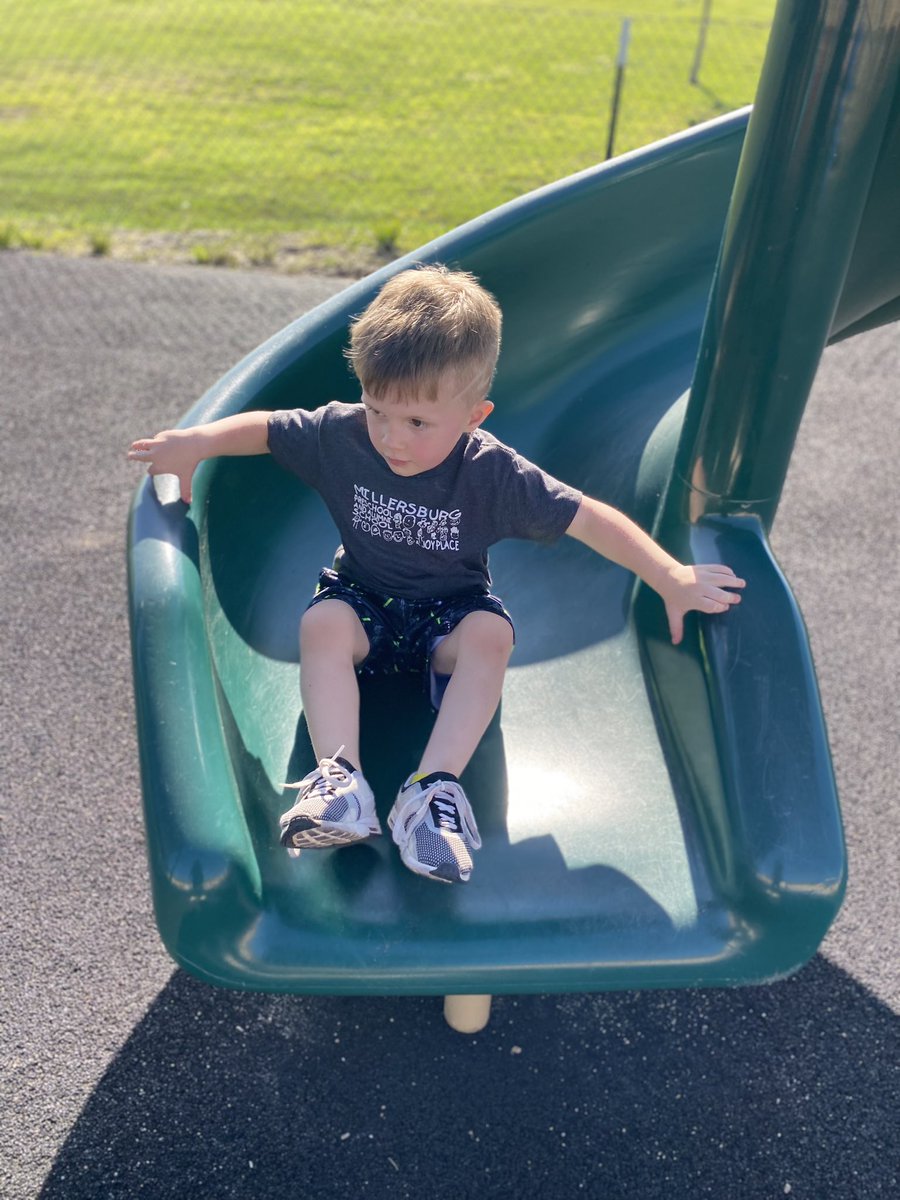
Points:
[122,1076]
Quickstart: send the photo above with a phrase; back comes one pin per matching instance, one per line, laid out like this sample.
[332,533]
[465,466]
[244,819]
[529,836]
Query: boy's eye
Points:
[417,423]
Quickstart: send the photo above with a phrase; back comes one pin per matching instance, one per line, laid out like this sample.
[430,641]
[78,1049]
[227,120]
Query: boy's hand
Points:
[172,452]
[180,451]
[701,589]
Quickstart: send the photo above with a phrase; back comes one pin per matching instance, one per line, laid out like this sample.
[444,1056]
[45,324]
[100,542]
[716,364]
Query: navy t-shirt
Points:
[423,535]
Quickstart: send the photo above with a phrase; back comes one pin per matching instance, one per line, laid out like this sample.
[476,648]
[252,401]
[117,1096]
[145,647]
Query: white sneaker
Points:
[433,824]
[335,808]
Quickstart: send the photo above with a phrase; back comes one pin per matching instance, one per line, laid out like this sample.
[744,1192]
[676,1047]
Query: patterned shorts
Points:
[403,633]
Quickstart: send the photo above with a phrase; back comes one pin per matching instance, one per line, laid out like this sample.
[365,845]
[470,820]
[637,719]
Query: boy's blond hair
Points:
[422,323]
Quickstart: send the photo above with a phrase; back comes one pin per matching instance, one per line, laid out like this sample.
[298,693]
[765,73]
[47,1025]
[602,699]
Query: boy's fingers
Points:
[724,576]
[676,624]
[720,596]
[721,602]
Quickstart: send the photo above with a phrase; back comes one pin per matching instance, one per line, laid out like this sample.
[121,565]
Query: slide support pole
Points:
[814,136]
[467,1014]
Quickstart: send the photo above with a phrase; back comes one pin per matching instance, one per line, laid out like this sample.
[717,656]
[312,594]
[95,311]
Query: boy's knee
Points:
[333,625]
[490,633]
[480,634]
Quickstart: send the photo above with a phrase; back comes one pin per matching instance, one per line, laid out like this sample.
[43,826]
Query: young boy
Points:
[419,492]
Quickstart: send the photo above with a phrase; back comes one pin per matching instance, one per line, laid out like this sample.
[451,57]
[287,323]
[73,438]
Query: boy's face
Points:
[414,433]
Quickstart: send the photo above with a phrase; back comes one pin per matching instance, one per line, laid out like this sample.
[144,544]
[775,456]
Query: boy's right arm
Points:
[180,451]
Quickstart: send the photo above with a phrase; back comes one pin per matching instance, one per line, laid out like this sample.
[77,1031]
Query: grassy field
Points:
[329,132]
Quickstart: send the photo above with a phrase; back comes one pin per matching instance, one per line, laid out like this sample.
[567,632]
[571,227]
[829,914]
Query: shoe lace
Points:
[451,794]
[328,776]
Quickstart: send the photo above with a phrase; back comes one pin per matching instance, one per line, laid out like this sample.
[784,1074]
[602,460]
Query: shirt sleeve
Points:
[294,442]
[535,505]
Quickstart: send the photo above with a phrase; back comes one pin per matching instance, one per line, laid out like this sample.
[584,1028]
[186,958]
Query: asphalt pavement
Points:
[124,1077]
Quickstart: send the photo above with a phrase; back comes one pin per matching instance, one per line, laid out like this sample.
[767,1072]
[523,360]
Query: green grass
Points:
[343,129]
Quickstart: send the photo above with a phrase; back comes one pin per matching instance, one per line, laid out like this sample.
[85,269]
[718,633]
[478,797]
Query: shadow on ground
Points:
[761,1092]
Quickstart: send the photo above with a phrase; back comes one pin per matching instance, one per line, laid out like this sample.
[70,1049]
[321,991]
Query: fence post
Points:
[701,41]
[621,64]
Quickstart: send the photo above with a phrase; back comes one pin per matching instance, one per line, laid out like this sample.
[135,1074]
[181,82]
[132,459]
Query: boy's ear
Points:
[480,412]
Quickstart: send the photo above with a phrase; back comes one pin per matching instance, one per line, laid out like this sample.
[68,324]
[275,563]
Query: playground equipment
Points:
[652,816]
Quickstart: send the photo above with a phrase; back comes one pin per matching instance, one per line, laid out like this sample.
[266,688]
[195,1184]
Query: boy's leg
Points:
[475,656]
[335,805]
[432,821]
[332,644]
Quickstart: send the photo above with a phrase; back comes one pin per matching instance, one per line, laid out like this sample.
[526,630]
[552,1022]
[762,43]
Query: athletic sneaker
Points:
[433,825]
[335,807]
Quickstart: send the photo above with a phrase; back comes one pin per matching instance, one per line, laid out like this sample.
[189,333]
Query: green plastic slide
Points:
[652,816]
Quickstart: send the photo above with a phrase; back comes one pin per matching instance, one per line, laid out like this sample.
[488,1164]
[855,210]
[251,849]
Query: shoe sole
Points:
[319,835]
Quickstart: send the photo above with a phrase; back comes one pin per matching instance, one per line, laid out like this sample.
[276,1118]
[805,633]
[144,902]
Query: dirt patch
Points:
[279,254]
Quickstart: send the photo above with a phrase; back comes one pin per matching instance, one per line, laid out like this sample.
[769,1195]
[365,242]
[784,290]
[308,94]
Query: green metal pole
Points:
[830,75]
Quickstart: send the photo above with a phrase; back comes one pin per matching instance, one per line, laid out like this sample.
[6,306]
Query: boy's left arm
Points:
[683,588]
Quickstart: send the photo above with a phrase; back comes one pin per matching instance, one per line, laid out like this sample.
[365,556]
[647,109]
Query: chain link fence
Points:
[329,133]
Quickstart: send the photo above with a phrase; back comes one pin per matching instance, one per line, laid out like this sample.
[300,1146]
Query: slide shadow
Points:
[786,1089]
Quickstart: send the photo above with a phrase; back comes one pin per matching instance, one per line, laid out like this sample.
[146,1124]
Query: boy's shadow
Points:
[530,876]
